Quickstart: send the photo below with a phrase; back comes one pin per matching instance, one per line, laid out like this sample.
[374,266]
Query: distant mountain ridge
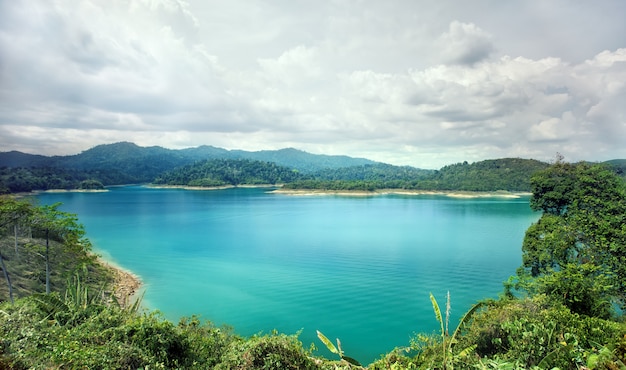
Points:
[146,163]
[127,163]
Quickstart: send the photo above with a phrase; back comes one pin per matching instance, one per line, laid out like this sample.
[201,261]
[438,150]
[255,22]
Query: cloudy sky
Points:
[407,82]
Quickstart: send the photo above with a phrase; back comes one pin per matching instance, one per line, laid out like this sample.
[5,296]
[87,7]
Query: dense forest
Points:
[144,164]
[18,180]
[562,309]
[219,172]
[509,174]
[127,163]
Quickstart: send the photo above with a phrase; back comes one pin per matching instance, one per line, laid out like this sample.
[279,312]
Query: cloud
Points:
[465,43]
[401,82]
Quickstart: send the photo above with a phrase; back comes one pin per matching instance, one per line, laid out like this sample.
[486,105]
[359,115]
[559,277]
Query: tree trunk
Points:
[7,277]
[47,261]
[15,230]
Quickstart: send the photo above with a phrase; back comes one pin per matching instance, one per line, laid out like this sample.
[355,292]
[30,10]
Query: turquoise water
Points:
[357,268]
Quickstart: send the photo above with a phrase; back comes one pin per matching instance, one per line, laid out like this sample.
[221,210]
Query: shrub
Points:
[275,351]
[539,331]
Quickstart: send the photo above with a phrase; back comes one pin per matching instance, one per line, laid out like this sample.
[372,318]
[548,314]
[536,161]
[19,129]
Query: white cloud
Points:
[465,43]
[402,82]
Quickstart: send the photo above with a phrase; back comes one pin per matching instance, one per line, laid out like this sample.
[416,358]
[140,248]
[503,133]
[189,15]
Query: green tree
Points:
[12,212]
[576,252]
[60,226]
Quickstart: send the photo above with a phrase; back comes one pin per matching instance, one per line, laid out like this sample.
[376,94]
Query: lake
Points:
[357,268]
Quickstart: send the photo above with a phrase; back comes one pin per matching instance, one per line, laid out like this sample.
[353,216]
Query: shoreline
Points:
[362,193]
[72,191]
[221,187]
[125,286]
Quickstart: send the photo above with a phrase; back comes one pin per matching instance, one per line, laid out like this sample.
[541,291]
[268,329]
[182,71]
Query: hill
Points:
[135,164]
[128,163]
[619,166]
[512,174]
[220,172]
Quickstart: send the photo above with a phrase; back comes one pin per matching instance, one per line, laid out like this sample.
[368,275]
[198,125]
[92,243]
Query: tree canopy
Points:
[577,249]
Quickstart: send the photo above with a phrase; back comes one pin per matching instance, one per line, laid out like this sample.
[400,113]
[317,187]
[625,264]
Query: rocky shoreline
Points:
[125,285]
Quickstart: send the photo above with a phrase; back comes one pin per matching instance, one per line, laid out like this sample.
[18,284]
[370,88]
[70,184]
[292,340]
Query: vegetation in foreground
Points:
[562,310]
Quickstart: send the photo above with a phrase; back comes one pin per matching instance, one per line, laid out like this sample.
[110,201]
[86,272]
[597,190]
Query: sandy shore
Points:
[72,191]
[185,187]
[360,193]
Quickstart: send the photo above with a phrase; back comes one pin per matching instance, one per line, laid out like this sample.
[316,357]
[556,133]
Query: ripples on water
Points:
[356,268]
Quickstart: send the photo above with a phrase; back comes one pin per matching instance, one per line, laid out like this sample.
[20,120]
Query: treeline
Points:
[41,247]
[17,180]
[510,174]
[217,172]
[126,163]
[146,163]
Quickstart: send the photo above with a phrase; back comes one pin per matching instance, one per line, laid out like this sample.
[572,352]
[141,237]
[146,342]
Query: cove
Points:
[357,268]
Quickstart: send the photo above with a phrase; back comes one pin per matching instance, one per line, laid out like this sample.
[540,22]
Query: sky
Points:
[405,82]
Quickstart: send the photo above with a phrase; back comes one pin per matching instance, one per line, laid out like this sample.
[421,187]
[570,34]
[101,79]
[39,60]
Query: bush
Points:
[275,351]
[538,329]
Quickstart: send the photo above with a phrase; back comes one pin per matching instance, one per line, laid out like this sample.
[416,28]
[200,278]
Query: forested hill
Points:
[127,163]
[512,174]
[619,166]
[146,163]
[219,172]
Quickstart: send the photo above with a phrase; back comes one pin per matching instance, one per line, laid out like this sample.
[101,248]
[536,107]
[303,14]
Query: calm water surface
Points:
[357,268]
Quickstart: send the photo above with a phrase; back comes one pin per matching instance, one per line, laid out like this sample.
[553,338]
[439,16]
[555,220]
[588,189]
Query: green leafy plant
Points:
[448,341]
[337,350]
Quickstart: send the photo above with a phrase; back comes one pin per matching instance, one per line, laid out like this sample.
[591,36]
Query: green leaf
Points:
[339,347]
[437,312]
[467,351]
[464,320]
[331,347]
[351,361]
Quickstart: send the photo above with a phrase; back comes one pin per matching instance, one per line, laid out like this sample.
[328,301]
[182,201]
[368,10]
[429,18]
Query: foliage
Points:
[104,338]
[23,233]
[509,174]
[577,249]
[512,174]
[22,179]
[337,350]
[219,172]
[127,163]
[448,357]
[274,351]
[374,173]
[91,184]
[539,331]
[619,166]
[574,270]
